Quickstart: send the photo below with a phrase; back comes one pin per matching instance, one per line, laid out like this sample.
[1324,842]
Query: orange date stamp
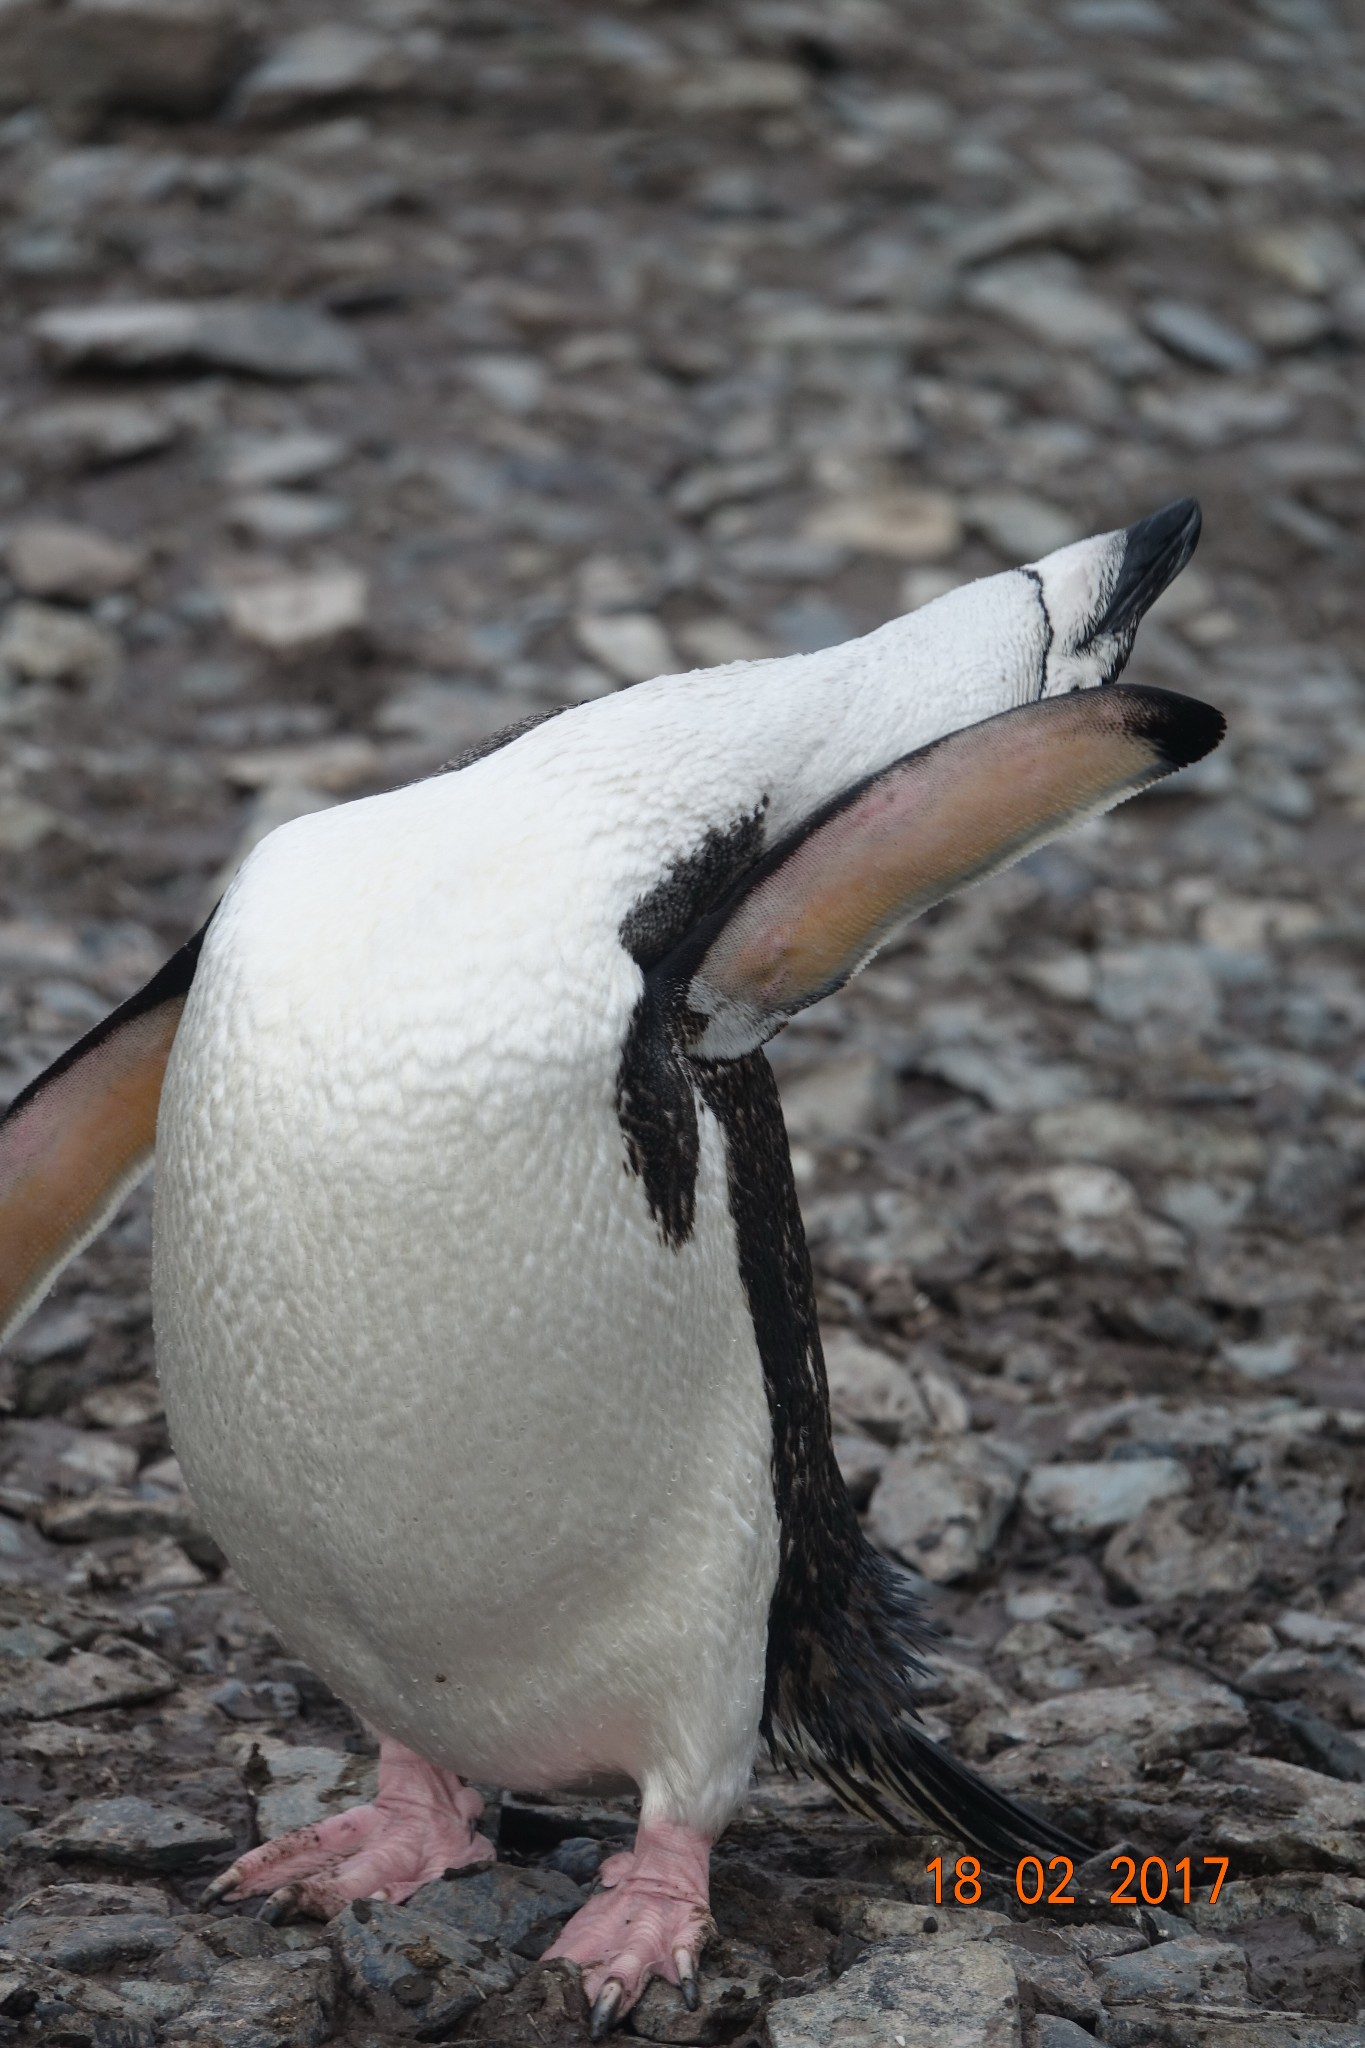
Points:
[1138,1883]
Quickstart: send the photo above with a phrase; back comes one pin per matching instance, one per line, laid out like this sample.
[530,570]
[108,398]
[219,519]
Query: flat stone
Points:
[332,764]
[1048,301]
[131,1833]
[163,56]
[963,1997]
[279,518]
[1292,1818]
[1018,525]
[450,716]
[632,646]
[1100,1738]
[260,462]
[941,1510]
[714,642]
[519,1909]
[92,433]
[1312,256]
[1269,1358]
[335,60]
[108,1942]
[855,1092]
[35,1690]
[1200,336]
[285,2001]
[733,1986]
[870,1390]
[909,526]
[403,1960]
[299,614]
[1195,1969]
[261,338]
[513,383]
[1113,1131]
[45,644]
[1085,1500]
[305,1782]
[111,1514]
[51,558]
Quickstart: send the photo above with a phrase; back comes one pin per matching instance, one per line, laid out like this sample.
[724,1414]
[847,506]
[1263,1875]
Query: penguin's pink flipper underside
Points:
[823,900]
[81,1135]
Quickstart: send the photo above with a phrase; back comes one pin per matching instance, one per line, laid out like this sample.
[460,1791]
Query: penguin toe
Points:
[651,1918]
[605,2008]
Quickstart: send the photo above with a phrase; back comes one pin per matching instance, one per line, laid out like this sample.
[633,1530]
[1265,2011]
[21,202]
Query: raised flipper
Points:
[823,900]
[81,1135]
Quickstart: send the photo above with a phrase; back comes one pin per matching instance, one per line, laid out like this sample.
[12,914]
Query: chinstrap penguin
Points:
[483,1310]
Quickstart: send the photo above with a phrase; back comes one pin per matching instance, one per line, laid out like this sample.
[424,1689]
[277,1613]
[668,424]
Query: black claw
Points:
[280,1905]
[691,1992]
[604,2010]
[218,1889]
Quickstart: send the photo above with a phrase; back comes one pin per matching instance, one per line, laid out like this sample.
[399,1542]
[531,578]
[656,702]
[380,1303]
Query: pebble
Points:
[137,54]
[1088,1500]
[92,433]
[910,526]
[332,61]
[299,614]
[920,1999]
[1199,336]
[277,518]
[50,558]
[632,646]
[264,339]
[32,1690]
[1019,526]
[133,1834]
[44,644]
[941,1512]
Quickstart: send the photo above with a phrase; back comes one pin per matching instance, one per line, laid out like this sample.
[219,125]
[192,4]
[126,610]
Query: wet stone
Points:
[520,1910]
[34,1690]
[921,1998]
[266,339]
[132,1833]
[732,1986]
[108,1942]
[287,2002]
[403,1960]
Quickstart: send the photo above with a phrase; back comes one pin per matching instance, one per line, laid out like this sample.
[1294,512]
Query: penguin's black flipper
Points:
[81,1135]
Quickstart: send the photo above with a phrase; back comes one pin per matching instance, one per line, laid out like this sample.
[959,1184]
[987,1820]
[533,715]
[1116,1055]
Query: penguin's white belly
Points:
[494,1457]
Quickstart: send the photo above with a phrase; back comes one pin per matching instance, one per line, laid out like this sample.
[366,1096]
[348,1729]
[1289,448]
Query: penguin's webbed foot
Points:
[650,1919]
[420,1825]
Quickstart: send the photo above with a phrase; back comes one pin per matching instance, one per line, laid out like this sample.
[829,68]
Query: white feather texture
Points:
[494,1457]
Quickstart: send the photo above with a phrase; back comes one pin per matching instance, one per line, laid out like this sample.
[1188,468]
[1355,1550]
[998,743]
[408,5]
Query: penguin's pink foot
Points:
[420,1825]
[650,1919]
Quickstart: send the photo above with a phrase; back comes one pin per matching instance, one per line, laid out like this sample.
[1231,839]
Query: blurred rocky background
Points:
[372,376]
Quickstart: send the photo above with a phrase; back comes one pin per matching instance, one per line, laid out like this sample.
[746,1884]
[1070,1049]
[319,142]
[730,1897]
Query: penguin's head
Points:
[1093,594]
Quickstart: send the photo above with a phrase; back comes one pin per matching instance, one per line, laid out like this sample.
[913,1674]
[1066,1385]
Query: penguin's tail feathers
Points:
[902,1777]
[841,1705]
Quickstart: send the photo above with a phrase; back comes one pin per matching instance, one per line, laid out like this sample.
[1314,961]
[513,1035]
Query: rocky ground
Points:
[369,379]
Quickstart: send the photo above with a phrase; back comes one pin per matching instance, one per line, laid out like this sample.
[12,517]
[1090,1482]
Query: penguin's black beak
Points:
[1155,550]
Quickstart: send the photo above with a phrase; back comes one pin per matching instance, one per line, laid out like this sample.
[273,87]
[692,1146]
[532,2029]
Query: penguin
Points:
[484,1316]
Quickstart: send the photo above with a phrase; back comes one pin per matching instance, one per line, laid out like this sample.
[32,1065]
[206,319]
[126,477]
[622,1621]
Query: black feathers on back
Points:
[845,1633]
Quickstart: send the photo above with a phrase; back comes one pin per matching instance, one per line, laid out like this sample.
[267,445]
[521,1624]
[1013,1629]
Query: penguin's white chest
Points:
[494,1456]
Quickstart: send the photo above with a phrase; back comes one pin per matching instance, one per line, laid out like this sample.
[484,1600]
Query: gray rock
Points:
[166,56]
[965,1996]
[132,1833]
[288,2001]
[733,1987]
[279,518]
[50,558]
[1159,979]
[1196,1969]
[92,433]
[108,1942]
[1050,2031]
[941,1510]
[856,1092]
[334,60]
[402,1961]
[1084,1500]
[1163,1556]
[633,646]
[521,1910]
[113,1514]
[260,338]
[291,615]
[1103,1737]
[1292,1818]
[33,1690]
[261,462]
[1057,1983]
[45,644]
[1018,525]
[1201,337]
[304,1783]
